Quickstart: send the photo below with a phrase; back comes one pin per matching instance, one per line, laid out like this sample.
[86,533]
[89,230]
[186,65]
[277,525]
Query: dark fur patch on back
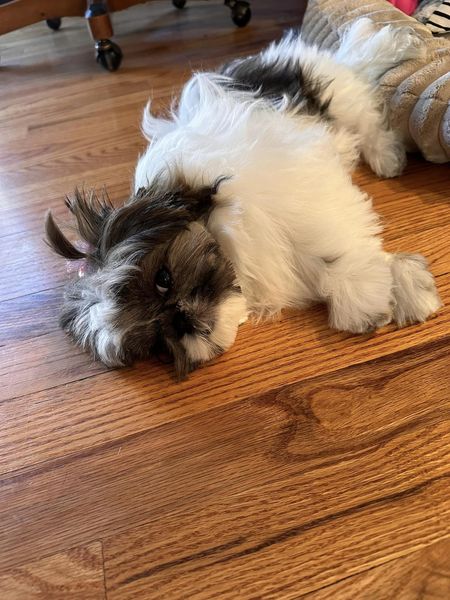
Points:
[283,78]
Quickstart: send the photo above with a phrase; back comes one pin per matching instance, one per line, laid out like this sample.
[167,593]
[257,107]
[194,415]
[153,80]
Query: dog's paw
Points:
[360,323]
[386,155]
[415,290]
[392,165]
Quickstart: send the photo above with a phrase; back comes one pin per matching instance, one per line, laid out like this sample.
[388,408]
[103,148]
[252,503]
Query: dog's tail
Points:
[370,51]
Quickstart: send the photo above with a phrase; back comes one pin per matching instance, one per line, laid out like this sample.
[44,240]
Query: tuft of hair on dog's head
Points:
[155,280]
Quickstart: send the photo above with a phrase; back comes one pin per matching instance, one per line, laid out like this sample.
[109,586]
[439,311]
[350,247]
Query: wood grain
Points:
[292,450]
[424,574]
[45,304]
[76,574]
[285,526]
[28,267]
[302,462]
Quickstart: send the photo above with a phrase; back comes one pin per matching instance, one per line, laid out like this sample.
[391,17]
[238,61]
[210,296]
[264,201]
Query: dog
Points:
[243,205]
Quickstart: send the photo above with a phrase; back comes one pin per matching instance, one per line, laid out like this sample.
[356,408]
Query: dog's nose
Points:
[182,324]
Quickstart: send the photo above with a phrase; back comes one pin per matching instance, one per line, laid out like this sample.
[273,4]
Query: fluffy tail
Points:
[371,52]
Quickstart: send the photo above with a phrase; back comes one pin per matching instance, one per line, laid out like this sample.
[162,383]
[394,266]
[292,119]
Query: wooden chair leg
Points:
[98,20]
[109,54]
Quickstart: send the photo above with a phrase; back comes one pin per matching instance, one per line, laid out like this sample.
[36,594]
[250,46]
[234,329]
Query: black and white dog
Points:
[244,205]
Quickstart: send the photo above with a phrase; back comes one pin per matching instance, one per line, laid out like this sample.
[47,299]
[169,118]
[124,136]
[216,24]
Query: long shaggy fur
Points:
[251,175]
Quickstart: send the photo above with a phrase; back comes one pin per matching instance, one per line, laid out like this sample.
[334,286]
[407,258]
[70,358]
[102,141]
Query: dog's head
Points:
[155,279]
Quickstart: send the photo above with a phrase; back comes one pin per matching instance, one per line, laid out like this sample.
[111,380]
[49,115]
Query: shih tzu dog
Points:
[244,205]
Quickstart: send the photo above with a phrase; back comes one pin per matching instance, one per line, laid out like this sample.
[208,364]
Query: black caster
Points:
[240,12]
[109,54]
[179,3]
[54,24]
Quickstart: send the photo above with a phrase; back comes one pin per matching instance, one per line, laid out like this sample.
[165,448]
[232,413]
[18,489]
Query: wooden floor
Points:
[304,463]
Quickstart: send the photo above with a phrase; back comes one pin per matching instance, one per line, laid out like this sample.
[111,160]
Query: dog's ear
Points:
[198,201]
[58,241]
[143,222]
[91,213]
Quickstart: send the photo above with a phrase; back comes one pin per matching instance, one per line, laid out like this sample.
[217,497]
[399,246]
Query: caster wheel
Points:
[109,55]
[179,3]
[241,13]
[54,24]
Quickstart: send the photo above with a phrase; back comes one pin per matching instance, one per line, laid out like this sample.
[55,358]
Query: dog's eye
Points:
[163,281]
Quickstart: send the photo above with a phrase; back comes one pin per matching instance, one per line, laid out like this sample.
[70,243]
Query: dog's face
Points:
[155,280]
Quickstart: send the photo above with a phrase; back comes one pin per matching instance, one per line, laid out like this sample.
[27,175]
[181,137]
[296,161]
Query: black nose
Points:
[182,324]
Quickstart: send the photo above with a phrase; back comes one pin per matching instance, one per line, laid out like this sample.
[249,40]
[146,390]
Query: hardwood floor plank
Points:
[28,266]
[432,243]
[76,574]
[202,567]
[48,362]
[29,316]
[353,444]
[40,169]
[406,205]
[26,219]
[424,574]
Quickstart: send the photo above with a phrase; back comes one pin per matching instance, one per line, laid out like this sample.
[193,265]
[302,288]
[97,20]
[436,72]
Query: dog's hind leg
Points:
[353,106]
[369,52]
